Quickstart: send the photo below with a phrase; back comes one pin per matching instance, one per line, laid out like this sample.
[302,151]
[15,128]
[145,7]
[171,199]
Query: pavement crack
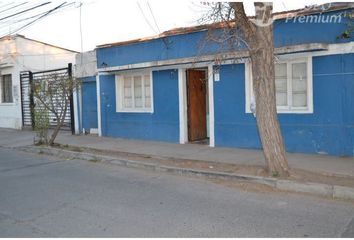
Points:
[15,221]
[31,166]
[349,230]
[53,210]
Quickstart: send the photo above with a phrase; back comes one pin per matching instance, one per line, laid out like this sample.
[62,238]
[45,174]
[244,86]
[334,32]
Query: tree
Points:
[52,95]
[255,34]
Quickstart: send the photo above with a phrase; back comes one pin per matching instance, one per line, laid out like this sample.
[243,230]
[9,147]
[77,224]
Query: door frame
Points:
[183,111]
[197,123]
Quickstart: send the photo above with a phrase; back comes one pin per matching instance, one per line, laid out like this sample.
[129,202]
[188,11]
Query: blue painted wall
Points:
[233,127]
[89,103]
[190,45]
[291,33]
[330,129]
[161,125]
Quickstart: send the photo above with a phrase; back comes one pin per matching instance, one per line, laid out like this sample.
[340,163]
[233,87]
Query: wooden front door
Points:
[196,91]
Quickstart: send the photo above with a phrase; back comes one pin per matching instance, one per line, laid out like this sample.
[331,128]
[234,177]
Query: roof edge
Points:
[37,41]
[198,28]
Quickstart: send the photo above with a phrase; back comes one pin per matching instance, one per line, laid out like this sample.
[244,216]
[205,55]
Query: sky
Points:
[105,21]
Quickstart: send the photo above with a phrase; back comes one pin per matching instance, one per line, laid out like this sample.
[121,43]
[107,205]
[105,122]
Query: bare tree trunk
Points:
[58,126]
[262,57]
[256,33]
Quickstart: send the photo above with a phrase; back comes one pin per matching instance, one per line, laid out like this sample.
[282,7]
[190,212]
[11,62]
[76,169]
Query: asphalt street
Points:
[45,196]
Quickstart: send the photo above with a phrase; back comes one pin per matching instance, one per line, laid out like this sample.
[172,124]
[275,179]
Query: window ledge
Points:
[7,104]
[294,112]
[135,111]
[288,111]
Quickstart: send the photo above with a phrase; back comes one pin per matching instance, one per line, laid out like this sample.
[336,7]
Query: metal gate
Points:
[28,103]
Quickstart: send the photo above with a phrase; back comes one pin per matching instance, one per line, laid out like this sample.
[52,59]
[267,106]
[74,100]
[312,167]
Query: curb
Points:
[306,187]
[327,190]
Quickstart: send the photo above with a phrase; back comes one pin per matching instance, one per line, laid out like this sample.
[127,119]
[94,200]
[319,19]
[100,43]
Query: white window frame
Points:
[119,79]
[289,108]
[1,89]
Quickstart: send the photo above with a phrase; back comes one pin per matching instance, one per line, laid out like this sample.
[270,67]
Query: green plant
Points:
[93,159]
[350,26]
[275,174]
[53,94]
[41,125]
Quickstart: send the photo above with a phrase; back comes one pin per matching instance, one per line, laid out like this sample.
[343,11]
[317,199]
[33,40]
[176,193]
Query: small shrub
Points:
[275,174]
[94,160]
[41,125]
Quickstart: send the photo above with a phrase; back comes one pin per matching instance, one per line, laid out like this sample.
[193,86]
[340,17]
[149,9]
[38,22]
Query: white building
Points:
[18,53]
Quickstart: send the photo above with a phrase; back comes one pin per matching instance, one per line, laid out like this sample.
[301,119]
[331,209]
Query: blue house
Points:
[165,88]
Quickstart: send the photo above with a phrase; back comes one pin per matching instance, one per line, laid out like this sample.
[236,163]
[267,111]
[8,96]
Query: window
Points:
[134,92]
[293,84]
[6,89]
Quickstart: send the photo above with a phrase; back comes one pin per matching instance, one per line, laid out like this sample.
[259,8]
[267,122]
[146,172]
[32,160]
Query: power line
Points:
[153,17]
[80,22]
[16,9]
[285,8]
[59,10]
[7,4]
[146,20]
[29,9]
[17,21]
[37,19]
[40,17]
[21,20]
[13,7]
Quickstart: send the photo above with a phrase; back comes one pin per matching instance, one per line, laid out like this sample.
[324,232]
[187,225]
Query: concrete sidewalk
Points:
[316,163]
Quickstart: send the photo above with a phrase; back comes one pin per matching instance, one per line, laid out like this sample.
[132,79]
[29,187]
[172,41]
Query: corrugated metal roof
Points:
[330,7]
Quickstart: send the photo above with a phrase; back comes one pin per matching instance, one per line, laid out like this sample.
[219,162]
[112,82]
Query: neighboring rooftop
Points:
[9,37]
[309,10]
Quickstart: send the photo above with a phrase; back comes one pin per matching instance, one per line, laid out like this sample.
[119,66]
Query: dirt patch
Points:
[308,176]
[246,186]
[253,170]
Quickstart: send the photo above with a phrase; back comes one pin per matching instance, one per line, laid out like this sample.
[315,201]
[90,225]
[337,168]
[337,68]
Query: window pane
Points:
[147,102]
[135,92]
[147,91]
[281,84]
[6,85]
[281,99]
[127,93]
[138,94]
[280,70]
[299,84]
